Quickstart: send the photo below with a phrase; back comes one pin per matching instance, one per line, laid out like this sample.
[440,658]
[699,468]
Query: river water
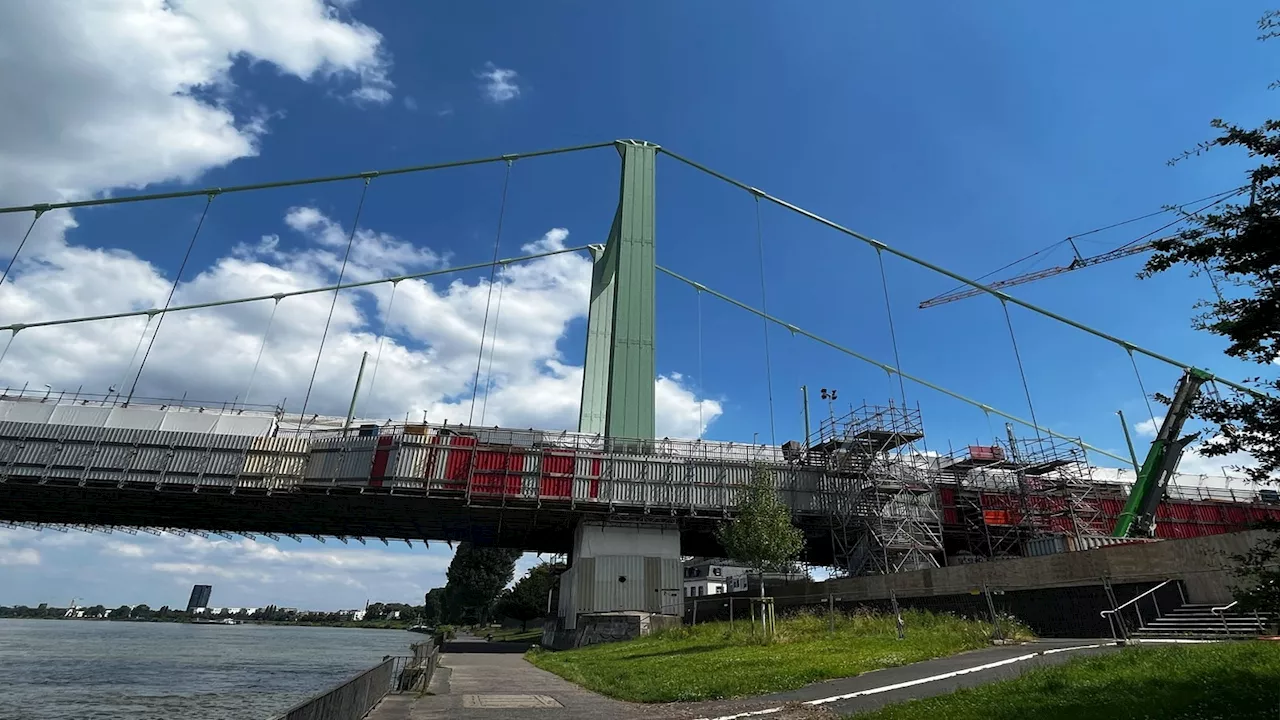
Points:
[95,670]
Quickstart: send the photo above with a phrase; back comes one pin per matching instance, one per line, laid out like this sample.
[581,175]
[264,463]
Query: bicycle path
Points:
[493,681]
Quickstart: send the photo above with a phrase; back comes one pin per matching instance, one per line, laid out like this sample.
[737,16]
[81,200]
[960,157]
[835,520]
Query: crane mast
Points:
[1139,516]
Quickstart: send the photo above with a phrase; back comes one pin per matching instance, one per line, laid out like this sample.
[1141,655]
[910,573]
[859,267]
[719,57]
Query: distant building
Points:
[716,576]
[199,597]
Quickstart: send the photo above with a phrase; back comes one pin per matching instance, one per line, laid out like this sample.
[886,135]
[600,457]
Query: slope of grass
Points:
[710,661]
[1184,682]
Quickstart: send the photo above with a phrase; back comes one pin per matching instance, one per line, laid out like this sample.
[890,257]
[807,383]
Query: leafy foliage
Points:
[476,577]
[1238,246]
[433,607]
[761,534]
[527,600]
[1258,572]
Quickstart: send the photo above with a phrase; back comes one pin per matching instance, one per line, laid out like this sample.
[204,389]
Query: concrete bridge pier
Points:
[624,580]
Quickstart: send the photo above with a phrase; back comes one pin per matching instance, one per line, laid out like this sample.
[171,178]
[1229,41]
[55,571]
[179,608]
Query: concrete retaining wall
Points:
[597,628]
[1201,564]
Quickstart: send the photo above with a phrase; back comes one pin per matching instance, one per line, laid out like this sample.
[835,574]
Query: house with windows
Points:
[717,576]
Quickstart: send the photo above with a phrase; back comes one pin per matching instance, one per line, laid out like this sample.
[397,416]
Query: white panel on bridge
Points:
[190,421]
[25,412]
[79,415]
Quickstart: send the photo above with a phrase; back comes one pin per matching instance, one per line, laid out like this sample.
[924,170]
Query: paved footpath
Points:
[492,681]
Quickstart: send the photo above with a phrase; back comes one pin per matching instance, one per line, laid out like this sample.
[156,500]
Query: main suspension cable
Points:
[293,293]
[956,276]
[484,326]
[886,367]
[764,305]
[122,199]
[342,271]
[172,289]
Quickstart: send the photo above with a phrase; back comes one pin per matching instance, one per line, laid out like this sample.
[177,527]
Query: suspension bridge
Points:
[623,503]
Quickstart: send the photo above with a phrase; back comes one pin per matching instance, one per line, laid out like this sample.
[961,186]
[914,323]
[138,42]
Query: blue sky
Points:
[970,135]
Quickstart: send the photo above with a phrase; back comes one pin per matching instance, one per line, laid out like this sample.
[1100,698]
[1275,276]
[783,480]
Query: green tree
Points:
[761,535]
[95,611]
[475,577]
[141,612]
[527,600]
[1237,244]
[121,613]
[433,607]
[376,611]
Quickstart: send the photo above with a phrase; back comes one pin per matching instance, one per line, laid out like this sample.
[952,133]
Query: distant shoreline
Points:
[376,625]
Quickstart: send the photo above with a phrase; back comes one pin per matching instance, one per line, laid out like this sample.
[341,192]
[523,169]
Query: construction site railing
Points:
[1114,618]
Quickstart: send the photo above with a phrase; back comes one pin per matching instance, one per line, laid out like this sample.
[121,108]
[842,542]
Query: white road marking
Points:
[911,683]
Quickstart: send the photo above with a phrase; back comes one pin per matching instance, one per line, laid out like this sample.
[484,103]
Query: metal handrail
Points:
[1221,611]
[1110,614]
[1223,608]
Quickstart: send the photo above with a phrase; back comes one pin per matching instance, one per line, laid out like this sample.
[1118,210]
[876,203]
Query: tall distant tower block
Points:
[199,597]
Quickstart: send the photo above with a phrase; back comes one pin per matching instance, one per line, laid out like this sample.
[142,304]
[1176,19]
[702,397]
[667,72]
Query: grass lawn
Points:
[1237,680]
[709,661]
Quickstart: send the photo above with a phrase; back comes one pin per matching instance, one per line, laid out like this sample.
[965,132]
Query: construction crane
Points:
[1139,516]
[1078,263]
[1140,245]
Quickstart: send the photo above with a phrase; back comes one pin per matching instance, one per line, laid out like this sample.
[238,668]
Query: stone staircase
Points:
[1199,621]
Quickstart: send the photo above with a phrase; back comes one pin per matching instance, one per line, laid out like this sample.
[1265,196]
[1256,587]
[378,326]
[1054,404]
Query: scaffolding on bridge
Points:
[1010,493]
[882,491]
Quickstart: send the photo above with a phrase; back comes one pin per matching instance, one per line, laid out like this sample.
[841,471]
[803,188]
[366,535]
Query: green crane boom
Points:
[1139,516]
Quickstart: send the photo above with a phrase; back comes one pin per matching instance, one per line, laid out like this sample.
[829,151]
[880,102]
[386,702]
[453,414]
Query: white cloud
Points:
[499,84]
[122,93]
[20,556]
[125,93]
[126,549]
[1148,427]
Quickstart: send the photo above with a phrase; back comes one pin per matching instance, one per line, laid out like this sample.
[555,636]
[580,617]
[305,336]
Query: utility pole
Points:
[804,394]
[351,411]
